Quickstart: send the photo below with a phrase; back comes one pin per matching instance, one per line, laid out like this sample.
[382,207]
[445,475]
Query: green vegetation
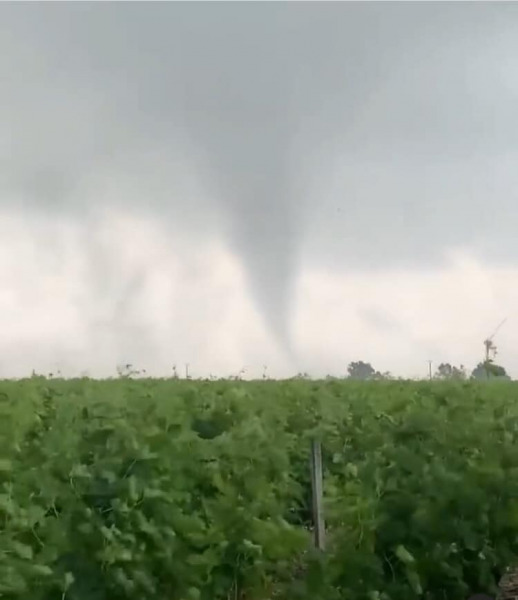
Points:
[178,490]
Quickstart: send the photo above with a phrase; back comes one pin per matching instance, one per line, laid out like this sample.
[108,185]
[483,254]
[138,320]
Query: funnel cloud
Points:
[343,139]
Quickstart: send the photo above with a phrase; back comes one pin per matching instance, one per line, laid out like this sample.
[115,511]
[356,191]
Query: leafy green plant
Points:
[153,489]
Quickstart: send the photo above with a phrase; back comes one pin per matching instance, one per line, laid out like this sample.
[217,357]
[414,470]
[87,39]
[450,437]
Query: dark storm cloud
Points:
[352,135]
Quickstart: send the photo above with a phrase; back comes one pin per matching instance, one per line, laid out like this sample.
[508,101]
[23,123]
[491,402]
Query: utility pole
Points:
[490,348]
[430,370]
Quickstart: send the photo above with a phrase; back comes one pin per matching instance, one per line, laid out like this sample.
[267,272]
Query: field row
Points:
[178,490]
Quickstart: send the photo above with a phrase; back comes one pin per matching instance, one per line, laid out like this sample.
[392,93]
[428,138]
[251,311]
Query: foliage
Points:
[446,371]
[155,489]
[363,371]
[360,370]
[489,370]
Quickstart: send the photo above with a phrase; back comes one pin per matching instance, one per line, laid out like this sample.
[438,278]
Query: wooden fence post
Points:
[318,495]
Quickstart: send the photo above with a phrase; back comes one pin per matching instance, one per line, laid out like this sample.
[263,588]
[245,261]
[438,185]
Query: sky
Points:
[257,187]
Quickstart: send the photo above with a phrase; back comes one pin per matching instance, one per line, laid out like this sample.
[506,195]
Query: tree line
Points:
[364,371]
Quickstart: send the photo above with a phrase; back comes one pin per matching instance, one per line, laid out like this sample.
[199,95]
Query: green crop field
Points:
[171,490]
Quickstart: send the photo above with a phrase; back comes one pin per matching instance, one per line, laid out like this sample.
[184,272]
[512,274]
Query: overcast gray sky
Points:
[233,185]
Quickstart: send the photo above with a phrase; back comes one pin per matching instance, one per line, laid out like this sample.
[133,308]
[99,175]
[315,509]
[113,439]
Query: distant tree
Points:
[489,370]
[302,376]
[447,371]
[361,370]
[385,376]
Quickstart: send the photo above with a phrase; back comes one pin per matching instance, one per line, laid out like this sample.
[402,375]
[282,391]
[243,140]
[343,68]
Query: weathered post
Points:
[318,495]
